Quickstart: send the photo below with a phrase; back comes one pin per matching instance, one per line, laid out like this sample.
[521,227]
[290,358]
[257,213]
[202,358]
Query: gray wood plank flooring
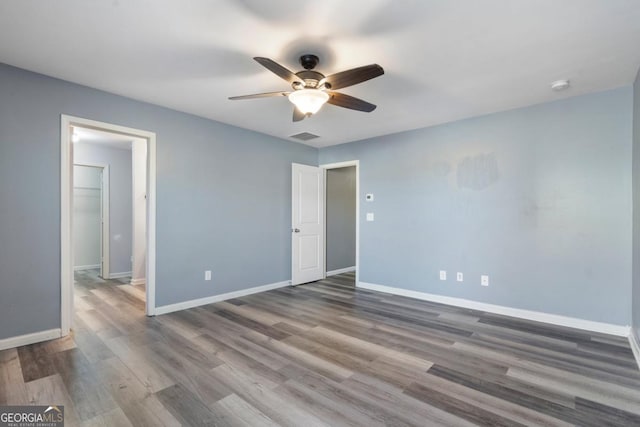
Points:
[321,354]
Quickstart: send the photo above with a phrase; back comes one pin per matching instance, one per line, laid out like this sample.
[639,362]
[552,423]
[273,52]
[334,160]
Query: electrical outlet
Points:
[207,275]
[369,216]
[484,280]
[459,277]
[443,275]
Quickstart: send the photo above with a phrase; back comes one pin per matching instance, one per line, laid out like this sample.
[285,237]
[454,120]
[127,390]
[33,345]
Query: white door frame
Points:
[104,208]
[339,165]
[66,212]
[136,241]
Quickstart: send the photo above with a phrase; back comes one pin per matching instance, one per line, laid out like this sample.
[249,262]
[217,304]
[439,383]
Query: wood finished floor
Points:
[323,354]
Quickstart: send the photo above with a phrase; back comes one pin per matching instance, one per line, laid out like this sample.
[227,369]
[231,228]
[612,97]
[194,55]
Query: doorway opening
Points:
[342,225]
[123,245]
[340,230]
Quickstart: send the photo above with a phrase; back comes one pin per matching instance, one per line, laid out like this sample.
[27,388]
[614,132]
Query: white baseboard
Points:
[217,298]
[554,319]
[138,281]
[86,267]
[635,346]
[30,338]
[341,270]
[119,275]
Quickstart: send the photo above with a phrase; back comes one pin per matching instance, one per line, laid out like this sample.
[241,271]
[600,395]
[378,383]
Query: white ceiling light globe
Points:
[308,101]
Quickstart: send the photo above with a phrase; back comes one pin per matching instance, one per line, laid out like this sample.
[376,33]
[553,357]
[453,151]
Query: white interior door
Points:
[307,222]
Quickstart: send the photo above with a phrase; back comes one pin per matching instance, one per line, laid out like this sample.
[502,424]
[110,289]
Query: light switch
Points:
[369,216]
[369,197]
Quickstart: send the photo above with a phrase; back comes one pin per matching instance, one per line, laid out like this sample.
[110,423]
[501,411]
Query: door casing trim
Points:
[66,212]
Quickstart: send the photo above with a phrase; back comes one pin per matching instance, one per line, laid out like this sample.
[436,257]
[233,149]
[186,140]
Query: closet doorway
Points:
[91,218]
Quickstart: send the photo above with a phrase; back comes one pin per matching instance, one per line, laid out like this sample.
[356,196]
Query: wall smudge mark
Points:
[478,172]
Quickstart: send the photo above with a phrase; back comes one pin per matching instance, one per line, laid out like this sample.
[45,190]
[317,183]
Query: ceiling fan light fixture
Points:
[308,101]
[311,89]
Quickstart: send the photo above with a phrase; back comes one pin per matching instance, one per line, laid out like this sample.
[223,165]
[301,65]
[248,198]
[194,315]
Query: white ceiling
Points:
[103,139]
[444,60]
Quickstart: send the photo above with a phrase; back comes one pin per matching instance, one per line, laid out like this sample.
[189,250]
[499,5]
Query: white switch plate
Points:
[484,280]
[207,275]
[443,275]
[369,216]
[459,277]
[369,197]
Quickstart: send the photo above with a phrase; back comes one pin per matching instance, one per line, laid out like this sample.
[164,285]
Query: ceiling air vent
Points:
[304,136]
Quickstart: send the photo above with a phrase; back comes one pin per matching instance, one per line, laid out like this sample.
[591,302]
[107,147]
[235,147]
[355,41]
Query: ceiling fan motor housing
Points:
[311,79]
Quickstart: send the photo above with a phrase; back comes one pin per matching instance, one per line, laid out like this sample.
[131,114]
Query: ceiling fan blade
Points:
[350,102]
[353,76]
[278,69]
[259,95]
[297,115]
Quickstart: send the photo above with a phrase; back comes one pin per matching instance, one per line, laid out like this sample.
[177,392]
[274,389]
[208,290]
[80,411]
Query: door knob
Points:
[296,230]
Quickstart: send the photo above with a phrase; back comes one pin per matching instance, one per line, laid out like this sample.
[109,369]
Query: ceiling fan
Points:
[311,89]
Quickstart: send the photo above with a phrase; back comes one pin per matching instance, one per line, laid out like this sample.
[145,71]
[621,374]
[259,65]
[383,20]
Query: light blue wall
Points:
[636,208]
[223,198]
[120,199]
[538,198]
